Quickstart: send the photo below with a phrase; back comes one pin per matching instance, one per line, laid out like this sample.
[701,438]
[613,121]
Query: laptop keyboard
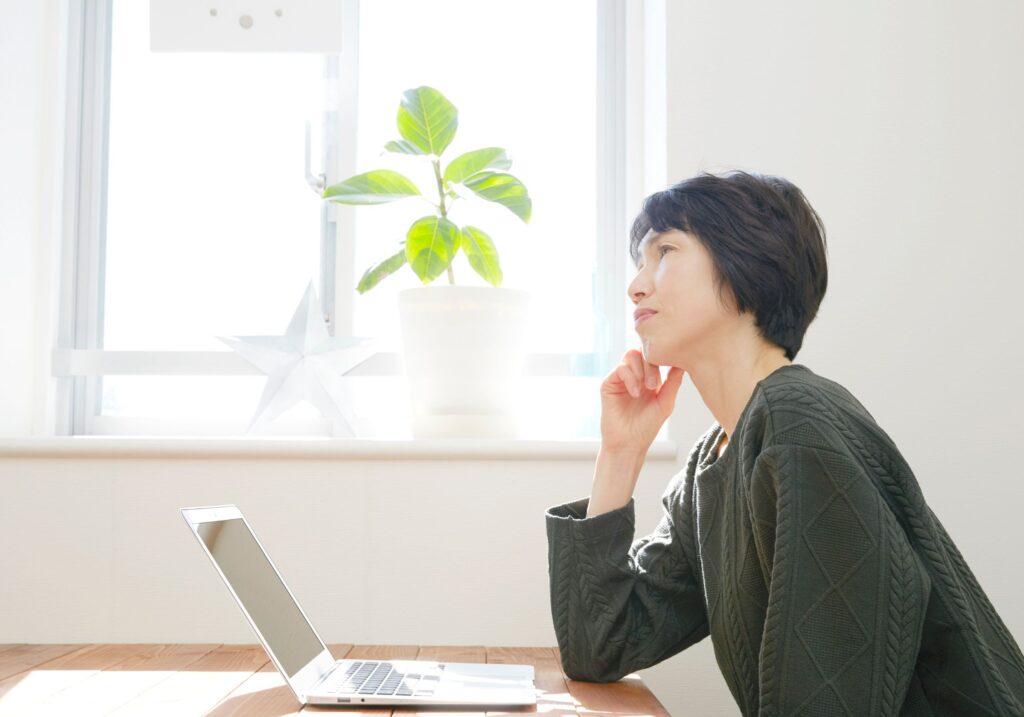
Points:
[379,678]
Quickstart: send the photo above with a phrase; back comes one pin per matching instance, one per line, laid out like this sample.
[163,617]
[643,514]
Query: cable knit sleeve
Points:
[847,595]
[621,605]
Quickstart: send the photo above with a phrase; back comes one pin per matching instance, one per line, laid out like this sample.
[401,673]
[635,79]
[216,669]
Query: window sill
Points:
[187,447]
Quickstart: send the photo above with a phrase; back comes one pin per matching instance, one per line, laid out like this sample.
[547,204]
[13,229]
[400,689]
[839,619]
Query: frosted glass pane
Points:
[211,227]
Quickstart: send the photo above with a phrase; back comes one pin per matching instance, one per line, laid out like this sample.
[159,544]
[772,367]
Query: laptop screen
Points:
[248,570]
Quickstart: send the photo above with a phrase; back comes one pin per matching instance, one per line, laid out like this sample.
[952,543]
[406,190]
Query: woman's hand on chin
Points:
[635,403]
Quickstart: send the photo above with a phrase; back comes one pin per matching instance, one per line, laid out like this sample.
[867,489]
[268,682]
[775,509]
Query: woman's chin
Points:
[655,357]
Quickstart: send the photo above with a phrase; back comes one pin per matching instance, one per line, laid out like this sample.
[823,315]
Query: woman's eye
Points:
[661,250]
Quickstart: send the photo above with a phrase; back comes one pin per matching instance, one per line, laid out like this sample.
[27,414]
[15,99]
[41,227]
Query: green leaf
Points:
[372,276]
[427,119]
[482,255]
[468,164]
[504,189]
[430,246]
[376,187]
[401,146]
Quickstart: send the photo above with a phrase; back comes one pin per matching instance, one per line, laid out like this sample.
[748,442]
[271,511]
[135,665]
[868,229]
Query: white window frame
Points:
[630,163]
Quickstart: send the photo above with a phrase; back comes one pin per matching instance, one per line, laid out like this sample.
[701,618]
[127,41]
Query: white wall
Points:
[901,123]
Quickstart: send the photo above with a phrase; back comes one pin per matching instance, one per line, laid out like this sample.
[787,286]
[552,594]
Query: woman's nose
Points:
[636,290]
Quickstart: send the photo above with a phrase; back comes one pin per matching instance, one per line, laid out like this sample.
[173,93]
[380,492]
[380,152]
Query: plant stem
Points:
[443,208]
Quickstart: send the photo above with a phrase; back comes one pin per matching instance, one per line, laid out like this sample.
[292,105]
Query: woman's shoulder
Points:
[797,392]
[796,406]
[800,411]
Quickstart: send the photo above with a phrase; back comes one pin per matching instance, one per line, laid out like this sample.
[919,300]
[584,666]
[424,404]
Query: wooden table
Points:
[159,680]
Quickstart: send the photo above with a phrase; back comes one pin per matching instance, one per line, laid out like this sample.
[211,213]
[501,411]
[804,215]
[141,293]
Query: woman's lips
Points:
[643,316]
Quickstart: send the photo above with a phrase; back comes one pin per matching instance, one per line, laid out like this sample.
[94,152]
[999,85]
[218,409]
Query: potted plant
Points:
[462,346]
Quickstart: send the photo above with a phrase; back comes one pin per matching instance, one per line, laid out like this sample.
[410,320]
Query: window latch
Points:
[318,182]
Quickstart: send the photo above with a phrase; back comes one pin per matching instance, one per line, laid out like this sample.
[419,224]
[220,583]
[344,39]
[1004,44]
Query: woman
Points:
[797,536]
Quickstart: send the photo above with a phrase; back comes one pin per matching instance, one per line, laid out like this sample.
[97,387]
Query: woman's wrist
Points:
[615,476]
[622,456]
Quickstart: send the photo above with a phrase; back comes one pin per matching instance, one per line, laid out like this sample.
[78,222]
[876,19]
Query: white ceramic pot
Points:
[463,351]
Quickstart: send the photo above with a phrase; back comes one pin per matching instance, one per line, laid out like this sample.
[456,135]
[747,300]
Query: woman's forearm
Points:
[615,476]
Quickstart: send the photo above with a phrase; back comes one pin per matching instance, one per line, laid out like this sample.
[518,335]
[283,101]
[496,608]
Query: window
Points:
[193,218]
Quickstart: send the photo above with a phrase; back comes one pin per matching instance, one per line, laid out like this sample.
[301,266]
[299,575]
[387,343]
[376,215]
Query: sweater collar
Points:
[707,459]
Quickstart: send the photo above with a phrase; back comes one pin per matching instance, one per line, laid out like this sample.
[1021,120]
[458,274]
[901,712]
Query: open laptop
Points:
[304,661]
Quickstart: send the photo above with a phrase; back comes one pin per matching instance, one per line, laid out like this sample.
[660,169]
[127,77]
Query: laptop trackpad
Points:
[490,671]
[511,683]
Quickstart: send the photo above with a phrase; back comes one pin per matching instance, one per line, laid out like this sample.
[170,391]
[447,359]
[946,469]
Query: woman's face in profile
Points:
[675,278]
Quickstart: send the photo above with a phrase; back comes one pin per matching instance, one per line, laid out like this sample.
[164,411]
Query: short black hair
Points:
[767,243]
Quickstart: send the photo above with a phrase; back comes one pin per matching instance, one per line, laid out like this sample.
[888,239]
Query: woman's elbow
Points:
[591,670]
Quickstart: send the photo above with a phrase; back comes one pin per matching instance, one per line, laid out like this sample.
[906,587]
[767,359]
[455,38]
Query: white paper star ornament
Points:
[304,364]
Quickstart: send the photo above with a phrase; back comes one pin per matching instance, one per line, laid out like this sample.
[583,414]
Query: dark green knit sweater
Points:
[809,555]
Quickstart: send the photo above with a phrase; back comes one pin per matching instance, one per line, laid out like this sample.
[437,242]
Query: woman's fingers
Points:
[672,382]
[627,375]
[652,376]
[647,373]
